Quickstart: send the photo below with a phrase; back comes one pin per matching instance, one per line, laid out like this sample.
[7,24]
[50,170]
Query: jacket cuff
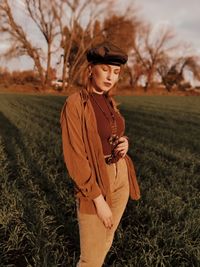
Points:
[94,195]
[91,193]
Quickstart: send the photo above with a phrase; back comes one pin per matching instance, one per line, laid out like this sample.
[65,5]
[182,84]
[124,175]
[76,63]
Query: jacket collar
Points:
[84,95]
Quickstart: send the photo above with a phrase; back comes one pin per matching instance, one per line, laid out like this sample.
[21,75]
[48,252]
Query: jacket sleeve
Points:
[74,152]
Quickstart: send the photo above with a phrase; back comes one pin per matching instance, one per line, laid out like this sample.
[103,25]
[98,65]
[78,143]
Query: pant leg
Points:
[92,240]
[95,238]
[120,196]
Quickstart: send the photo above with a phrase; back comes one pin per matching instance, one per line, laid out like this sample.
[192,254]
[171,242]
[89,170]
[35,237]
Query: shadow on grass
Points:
[35,189]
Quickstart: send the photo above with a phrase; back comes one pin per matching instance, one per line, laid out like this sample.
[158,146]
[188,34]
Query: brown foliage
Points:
[18,77]
[121,31]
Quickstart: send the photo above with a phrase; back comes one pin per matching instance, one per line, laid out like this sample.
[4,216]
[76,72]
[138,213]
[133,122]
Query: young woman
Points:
[95,152]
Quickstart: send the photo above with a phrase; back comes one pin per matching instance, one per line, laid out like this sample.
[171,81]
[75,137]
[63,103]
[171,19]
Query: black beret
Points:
[106,53]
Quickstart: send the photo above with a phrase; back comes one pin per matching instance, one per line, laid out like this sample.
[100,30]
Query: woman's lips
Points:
[107,84]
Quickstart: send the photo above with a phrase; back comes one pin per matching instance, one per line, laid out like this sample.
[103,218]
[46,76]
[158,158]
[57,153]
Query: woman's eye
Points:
[116,71]
[104,68]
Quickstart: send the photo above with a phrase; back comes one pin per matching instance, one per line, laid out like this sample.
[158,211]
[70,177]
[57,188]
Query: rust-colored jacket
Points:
[83,153]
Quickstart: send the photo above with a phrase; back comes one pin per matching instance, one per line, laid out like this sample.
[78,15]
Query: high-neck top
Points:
[103,125]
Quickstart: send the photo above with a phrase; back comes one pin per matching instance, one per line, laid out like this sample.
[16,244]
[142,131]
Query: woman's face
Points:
[104,77]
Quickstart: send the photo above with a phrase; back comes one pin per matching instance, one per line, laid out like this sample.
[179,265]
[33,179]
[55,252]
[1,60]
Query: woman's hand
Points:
[103,211]
[122,147]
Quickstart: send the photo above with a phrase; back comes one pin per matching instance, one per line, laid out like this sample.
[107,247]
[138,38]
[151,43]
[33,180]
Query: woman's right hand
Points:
[103,211]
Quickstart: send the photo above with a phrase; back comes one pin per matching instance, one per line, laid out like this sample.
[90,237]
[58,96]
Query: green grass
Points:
[38,225]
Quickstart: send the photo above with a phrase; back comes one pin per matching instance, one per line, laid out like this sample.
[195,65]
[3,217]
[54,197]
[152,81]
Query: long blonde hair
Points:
[86,78]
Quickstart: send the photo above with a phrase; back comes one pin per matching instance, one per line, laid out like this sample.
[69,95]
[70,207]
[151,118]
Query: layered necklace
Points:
[113,139]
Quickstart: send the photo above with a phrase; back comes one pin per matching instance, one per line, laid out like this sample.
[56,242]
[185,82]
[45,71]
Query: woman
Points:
[95,153]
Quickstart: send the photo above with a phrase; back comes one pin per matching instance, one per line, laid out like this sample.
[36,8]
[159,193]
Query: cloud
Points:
[3,47]
[182,15]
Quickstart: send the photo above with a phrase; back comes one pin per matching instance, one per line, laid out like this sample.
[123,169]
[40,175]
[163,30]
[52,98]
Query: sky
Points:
[183,16]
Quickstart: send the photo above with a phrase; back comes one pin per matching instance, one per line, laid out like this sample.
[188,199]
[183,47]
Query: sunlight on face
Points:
[104,77]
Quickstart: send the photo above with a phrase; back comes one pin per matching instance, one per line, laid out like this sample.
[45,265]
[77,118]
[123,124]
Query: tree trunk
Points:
[39,69]
[47,75]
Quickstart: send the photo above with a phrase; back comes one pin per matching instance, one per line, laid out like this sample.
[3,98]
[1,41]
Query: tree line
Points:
[69,27]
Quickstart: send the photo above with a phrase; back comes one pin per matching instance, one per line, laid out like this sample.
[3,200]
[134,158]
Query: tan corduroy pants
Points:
[95,238]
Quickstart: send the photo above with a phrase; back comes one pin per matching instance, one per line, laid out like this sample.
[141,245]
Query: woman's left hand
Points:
[122,147]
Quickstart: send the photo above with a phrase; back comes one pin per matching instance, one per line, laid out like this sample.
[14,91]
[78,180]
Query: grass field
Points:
[38,225]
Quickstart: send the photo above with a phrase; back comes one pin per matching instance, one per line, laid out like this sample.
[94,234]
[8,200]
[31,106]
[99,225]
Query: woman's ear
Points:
[90,71]
[90,68]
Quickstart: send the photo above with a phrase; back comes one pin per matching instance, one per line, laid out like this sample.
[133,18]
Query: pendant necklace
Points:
[113,125]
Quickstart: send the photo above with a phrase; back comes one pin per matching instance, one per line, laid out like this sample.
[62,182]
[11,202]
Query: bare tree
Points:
[53,19]
[166,71]
[18,39]
[136,70]
[46,15]
[191,63]
[150,51]
[172,71]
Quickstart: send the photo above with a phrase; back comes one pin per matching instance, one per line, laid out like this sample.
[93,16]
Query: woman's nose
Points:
[109,75]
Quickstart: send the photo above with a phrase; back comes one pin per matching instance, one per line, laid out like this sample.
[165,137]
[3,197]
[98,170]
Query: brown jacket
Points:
[83,153]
